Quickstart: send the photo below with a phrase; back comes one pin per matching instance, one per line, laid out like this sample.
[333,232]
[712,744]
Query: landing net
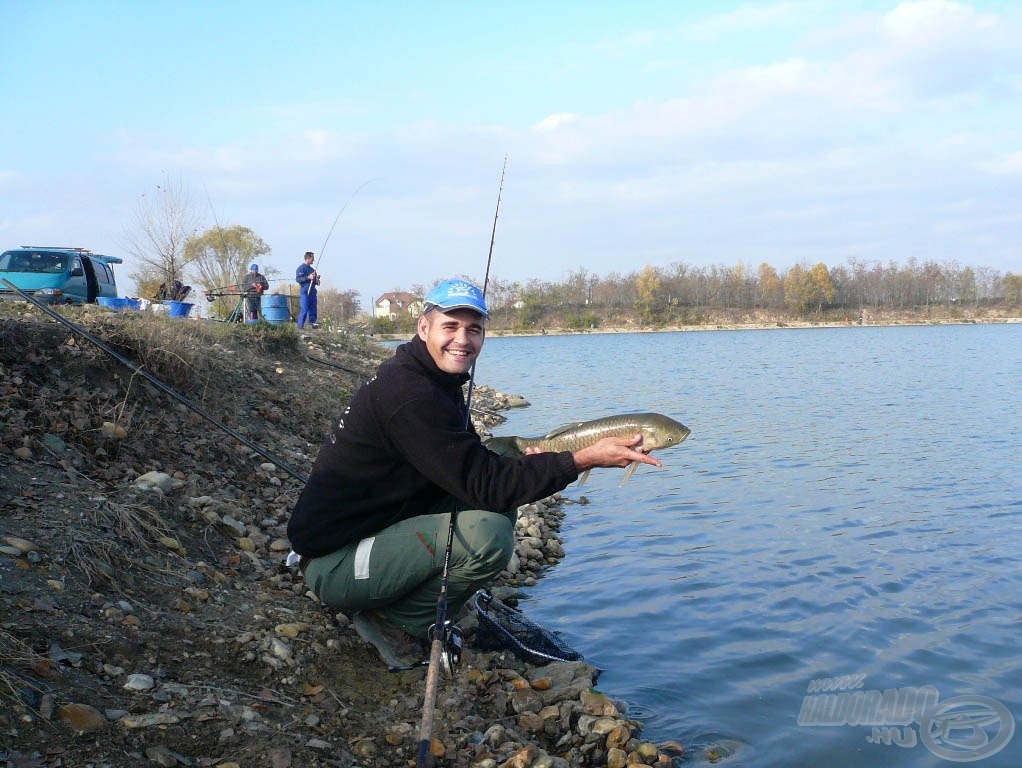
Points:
[504,629]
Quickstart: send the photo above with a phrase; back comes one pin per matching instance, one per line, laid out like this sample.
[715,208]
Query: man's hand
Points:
[613,452]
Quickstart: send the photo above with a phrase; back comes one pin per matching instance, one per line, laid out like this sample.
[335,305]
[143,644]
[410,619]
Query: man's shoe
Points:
[397,648]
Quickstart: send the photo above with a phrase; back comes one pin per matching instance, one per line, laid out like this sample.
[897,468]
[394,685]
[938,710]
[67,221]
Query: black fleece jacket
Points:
[400,447]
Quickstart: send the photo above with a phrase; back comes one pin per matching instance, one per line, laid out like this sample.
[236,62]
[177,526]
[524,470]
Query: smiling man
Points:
[371,524]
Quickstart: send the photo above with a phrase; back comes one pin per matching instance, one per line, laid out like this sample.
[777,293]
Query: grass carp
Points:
[658,431]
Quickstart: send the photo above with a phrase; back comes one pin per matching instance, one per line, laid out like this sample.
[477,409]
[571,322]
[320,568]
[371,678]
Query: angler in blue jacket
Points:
[307,279]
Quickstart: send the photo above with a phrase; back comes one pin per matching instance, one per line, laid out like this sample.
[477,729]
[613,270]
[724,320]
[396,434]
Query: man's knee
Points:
[488,540]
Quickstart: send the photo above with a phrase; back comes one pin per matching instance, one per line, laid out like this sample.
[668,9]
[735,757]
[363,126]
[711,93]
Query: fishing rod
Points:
[440,628]
[163,387]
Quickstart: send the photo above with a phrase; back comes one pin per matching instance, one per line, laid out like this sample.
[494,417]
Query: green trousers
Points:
[398,571]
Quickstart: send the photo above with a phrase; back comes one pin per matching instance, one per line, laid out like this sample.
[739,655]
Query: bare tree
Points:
[163,220]
[340,306]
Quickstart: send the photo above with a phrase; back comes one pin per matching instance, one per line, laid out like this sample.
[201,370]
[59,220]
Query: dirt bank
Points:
[146,616]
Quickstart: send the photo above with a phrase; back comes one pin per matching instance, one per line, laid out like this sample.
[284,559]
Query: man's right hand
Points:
[613,452]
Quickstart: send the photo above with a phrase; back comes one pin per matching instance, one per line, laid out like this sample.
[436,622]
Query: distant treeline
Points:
[680,292]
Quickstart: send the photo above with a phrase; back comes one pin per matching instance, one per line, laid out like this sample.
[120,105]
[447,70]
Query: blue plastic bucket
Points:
[118,305]
[178,308]
[275,309]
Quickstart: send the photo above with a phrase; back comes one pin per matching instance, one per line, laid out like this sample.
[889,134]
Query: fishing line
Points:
[424,758]
[218,292]
[337,218]
[166,388]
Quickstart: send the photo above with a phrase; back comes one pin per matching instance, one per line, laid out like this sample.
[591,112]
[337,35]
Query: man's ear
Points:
[422,327]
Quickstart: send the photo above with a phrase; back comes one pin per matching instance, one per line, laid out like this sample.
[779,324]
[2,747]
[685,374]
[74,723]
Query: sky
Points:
[634,133]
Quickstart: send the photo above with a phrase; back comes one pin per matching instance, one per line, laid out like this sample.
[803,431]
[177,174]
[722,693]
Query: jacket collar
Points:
[417,350]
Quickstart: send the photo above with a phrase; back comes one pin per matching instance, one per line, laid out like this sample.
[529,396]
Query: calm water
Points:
[849,503]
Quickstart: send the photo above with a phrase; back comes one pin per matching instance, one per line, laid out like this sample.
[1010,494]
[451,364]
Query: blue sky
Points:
[635,132]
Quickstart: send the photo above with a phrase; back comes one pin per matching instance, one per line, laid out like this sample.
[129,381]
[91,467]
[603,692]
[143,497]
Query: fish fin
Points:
[628,473]
[562,429]
[584,477]
[503,446]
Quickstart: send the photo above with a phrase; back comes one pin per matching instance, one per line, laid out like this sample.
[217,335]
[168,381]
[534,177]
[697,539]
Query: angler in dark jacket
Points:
[253,285]
[371,524]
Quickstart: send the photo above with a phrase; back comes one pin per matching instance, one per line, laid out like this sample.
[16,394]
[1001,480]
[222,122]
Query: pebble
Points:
[82,718]
[20,546]
[149,720]
[139,683]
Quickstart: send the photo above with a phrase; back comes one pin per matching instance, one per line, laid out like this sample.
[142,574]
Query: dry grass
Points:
[177,351]
[122,542]
[15,655]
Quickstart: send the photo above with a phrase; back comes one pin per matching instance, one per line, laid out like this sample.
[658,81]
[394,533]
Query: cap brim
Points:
[449,307]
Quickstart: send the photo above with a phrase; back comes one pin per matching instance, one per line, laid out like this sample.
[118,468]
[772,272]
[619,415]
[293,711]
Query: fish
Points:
[657,430]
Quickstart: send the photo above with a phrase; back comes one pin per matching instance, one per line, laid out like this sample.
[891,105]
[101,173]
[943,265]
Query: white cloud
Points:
[1008,164]
[553,122]
[930,23]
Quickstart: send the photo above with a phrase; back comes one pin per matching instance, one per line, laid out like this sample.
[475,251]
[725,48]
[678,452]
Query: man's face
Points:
[454,339]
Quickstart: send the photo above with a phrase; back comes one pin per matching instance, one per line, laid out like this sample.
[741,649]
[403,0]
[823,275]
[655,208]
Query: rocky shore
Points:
[146,614]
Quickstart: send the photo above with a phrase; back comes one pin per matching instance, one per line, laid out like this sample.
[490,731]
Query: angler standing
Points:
[253,284]
[371,523]
[307,279]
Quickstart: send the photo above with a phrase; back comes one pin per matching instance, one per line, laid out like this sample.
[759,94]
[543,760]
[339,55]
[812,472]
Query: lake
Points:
[827,571]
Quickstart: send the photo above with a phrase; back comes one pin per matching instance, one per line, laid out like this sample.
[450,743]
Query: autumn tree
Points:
[769,288]
[821,289]
[222,255]
[1013,289]
[796,289]
[647,286]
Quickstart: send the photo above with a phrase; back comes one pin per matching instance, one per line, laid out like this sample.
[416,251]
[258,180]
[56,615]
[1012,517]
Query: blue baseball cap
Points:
[456,294]
[253,267]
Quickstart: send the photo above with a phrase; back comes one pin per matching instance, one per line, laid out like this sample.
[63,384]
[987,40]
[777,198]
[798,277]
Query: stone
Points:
[616,758]
[647,751]
[594,703]
[22,546]
[138,683]
[81,718]
[161,755]
[619,736]
[522,758]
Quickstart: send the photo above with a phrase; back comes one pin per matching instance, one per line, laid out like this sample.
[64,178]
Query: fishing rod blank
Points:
[441,631]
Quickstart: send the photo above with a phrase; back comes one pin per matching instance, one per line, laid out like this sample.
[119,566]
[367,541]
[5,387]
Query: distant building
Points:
[397,304]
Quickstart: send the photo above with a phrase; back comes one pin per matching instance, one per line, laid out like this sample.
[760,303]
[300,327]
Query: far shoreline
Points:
[708,327]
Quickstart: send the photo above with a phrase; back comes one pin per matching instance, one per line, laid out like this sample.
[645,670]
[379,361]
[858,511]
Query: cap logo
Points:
[456,294]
